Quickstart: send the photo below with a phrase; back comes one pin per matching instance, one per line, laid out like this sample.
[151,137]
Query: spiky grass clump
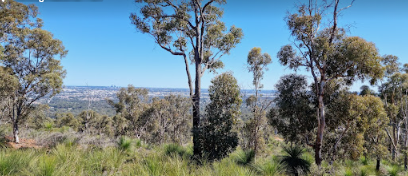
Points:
[271,167]
[124,143]
[293,160]
[172,149]
[394,170]
[3,140]
[244,157]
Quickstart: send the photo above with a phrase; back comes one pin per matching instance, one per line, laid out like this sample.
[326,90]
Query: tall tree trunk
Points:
[394,133]
[196,111]
[15,118]
[190,84]
[15,132]
[321,125]
[377,167]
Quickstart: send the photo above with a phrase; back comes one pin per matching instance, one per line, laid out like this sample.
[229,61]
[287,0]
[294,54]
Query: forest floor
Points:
[24,143]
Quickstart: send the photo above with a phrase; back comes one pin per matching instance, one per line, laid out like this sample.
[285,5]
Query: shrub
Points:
[172,149]
[293,161]
[393,170]
[245,157]
[269,168]
[124,143]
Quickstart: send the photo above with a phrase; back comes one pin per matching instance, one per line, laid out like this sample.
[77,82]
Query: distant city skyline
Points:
[105,48]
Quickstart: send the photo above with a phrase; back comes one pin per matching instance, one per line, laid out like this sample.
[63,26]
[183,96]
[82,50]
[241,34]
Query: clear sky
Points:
[105,48]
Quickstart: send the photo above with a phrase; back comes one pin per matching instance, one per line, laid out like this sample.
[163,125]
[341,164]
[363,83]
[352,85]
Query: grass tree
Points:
[293,161]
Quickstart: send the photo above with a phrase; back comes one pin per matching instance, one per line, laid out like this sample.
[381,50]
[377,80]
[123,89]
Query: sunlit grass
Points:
[133,158]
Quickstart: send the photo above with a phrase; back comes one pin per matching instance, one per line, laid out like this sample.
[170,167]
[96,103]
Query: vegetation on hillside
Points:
[310,128]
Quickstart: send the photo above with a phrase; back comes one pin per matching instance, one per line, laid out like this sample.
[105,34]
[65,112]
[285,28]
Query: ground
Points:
[24,143]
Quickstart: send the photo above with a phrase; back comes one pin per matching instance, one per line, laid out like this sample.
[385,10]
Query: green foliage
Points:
[257,64]
[394,170]
[164,20]
[365,90]
[3,139]
[11,163]
[253,129]
[48,125]
[67,119]
[30,57]
[124,143]
[176,149]
[161,121]
[37,118]
[328,54]
[245,157]
[271,168]
[167,120]
[376,120]
[216,138]
[293,161]
[131,106]
[293,115]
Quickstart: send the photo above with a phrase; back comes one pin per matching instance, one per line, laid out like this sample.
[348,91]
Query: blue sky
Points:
[105,48]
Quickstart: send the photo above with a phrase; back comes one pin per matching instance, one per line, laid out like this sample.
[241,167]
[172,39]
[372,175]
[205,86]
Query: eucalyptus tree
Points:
[346,126]
[169,116]
[328,54]
[216,138]
[8,83]
[30,54]
[257,65]
[190,28]
[376,120]
[365,90]
[393,92]
[294,114]
[130,107]
[67,119]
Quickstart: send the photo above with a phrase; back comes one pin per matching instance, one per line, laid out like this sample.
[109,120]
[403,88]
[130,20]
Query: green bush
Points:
[394,170]
[172,149]
[269,168]
[244,157]
[124,143]
[12,162]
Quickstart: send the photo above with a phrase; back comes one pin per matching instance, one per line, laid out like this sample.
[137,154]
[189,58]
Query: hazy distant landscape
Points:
[76,99]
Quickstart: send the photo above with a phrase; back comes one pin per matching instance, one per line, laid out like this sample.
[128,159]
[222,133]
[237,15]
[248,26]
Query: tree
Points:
[293,161]
[29,54]
[170,117]
[257,64]
[178,26]
[328,54]
[392,91]
[216,138]
[8,84]
[293,115]
[87,119]
[346,126]
[67,119]
[131,106]
[37,118]
[376,121]
[365,90]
